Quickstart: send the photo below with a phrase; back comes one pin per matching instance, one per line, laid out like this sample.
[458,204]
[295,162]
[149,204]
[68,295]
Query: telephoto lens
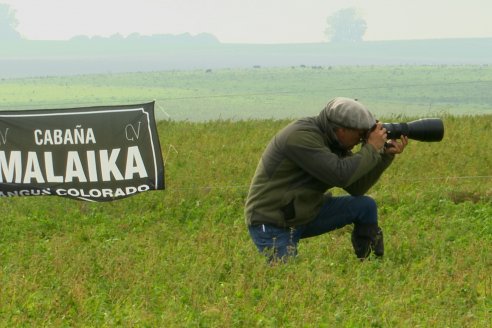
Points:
[425,129]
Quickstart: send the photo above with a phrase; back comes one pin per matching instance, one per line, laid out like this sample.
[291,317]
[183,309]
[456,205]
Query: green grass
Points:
[182,257]
[266,93]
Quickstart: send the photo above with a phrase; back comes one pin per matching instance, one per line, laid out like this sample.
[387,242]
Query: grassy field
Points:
[266,93]
[182,257]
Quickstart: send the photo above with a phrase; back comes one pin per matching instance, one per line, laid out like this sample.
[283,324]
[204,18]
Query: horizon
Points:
[126,37]
[231,22]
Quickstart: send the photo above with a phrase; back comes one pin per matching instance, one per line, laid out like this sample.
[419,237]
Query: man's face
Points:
[348,138]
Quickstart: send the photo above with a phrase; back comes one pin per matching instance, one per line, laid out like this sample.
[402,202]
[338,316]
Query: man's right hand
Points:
[377,137]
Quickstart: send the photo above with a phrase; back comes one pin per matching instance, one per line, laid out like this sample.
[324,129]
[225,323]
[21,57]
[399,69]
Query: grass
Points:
[266,93]
[182,257]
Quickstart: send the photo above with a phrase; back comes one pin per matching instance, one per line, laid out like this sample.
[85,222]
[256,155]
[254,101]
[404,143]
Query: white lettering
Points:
[101,193]
[95,193]
[108,165]
[33,170]
[73,192]
[61,192]
[64,137]
[4,136]
[13,166]
[91,165]
[88,166]
[50,175]
[143,188]
[48,140]
[68,140]
[79,135]
[90,138]
[134,164]
[26,192]
[74,168]
[57,137]
[37,135]
[131,190]
[135,132]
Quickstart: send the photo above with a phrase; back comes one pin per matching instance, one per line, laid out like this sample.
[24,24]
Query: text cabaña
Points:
[77,136]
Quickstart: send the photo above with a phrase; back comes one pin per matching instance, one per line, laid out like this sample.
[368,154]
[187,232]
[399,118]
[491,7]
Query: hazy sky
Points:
[251,21]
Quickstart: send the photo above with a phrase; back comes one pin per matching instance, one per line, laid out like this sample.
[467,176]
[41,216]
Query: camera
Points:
[424,129]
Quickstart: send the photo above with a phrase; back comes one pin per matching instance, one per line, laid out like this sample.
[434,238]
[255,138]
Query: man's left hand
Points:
[395,146]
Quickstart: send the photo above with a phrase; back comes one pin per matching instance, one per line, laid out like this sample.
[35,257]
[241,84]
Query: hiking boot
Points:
[367,238]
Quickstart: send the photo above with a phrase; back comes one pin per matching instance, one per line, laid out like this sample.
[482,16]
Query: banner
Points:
[93,154]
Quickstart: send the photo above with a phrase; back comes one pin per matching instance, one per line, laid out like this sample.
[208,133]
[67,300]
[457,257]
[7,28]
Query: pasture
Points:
[266,93]
[182,257]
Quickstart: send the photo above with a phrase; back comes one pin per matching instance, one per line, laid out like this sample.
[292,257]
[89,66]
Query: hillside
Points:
[87,56]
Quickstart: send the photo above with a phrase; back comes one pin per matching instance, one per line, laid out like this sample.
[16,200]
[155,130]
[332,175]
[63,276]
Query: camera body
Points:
[425,129]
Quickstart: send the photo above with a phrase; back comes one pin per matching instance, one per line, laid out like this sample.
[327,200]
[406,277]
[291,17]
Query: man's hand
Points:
[396,147]
[377,137]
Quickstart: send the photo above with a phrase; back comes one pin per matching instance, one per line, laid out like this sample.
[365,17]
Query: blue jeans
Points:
[281,243]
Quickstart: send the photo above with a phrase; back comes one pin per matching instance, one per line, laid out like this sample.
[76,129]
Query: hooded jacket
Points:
[300,164]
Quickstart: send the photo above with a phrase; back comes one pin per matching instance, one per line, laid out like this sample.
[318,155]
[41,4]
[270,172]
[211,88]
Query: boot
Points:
[367,238]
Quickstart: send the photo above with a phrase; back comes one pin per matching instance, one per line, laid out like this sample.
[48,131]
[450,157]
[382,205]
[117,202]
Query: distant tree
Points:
[134,36]
[345,25]
[8,23]
[117,37]
[79,38]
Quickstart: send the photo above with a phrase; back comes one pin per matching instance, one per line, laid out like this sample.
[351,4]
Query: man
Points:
[287,200]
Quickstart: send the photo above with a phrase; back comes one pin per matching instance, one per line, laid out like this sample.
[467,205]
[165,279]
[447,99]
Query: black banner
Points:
[93,153]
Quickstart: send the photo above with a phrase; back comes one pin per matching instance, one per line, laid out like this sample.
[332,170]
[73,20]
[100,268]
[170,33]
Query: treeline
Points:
[184,38]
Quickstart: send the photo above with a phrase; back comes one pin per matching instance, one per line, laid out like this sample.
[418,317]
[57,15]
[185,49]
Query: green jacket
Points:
[299,165]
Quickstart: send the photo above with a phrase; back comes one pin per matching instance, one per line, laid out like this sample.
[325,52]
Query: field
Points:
[185,52]
[182,257]
[266,93]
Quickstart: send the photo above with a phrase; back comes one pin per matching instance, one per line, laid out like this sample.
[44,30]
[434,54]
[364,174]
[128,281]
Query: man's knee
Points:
[367,210]
[369,203]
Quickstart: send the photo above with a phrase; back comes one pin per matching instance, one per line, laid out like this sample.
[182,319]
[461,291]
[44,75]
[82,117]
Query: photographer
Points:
[288,198]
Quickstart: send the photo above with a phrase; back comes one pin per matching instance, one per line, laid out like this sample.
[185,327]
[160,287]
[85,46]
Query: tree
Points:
[345,25]
[8,23]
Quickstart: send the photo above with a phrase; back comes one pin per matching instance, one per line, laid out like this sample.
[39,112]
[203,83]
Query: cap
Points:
[348,113]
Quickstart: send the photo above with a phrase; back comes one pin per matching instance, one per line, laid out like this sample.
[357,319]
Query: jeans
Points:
[281,243]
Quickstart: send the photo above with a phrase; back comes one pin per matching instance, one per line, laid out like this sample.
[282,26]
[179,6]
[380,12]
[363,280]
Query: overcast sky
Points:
[251,21]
